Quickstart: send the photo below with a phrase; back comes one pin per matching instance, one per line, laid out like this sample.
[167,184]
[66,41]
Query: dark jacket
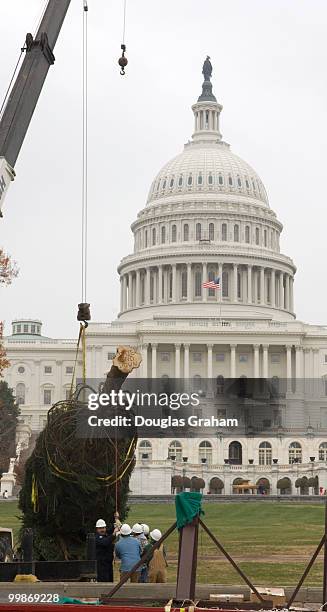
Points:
[104,545]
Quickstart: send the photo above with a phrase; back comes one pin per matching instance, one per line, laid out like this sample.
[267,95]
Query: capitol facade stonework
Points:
[207,217]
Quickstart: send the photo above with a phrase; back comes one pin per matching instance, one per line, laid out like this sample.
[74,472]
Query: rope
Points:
[11,82]
[124,21]
[81,333]
[84,152]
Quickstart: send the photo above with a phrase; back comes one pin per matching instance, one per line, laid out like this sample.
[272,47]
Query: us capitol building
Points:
[207,216]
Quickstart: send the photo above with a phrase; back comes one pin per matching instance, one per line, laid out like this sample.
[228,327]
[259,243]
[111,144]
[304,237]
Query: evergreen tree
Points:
[9,412]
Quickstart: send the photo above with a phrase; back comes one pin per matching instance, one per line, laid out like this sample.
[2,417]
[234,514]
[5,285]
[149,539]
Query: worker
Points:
[138,533]
[157,564]
[104,547]
[128,550]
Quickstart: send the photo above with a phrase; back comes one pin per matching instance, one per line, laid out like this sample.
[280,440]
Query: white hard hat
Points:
[137,528]
[145,528]
[155,535]
[101,523]
[125,530]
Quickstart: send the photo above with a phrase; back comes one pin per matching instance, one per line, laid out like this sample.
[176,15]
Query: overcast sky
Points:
[269,72]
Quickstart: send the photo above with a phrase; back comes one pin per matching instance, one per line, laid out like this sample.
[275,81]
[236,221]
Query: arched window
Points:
[295,453]
[200,179]
[142,289]
[198,231]
[230,180]
[220,180]
[236,233]
[265,237]
[239,285]
[175,450]
[190,180]
[198,283]
[171,184]
[247,183]
[210,179]
[257,235]
[145,450]
[239,182]
[184,283]
[265,453]
[205,451]
[146,238]
[225,284]
[180,181]
[151,287]
[173,233]
[235,453]
[20,393]
[163,235]
[186,232]
[247,234]
[164,184]
[211,231]
[153,236]
[224,231]
[323,451]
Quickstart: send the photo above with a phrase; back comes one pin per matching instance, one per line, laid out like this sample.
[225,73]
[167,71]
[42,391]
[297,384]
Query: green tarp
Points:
[188,505]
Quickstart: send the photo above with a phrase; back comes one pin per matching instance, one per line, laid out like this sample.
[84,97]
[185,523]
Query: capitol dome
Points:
[207,169]
[207,220]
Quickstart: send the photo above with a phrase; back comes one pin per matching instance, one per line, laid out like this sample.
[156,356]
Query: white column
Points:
[124,292]
[147,286]
[255,285]
[289,361]
[273,289]
[204,279]
[256,372]
[177,360]
[233,360]
[144,361]
[220,275]
[299,362]
[186,361]
[121,294]
[287,292]
[209,360]
[281,290]
[262,285]
[154,360]
[174,282]
[160,284]
[291,294]
[130,291]
[234,295]
[138,288]
[265,361]
[249,284]
[189,282]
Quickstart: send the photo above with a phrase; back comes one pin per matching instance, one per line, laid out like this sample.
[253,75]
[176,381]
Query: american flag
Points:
[212,284]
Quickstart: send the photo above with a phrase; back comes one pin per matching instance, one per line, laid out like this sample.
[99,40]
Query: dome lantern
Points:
[207,110]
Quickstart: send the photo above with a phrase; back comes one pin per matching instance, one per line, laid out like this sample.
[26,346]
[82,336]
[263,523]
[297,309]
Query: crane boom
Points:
[25,92]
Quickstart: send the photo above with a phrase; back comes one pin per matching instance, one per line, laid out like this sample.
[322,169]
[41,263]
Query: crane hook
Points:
[123,61]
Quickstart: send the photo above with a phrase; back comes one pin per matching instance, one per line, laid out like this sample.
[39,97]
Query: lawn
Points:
[272,542]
